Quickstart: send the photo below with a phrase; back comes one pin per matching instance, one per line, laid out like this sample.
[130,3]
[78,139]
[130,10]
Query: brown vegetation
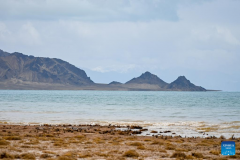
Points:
[101,142]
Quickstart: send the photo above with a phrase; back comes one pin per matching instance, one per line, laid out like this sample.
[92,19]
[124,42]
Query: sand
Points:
[103,142]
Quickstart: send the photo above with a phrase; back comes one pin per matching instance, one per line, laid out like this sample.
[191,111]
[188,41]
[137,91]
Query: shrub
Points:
[141,147]
[215,152]
[13,138]
[136,144]
[178,155]
[65,158]
[157,143]
[45,155]
[197,155]
[131,153]
[170,147]
[222,137]
[27,156]
[80,136]
[3,142]
[6,155]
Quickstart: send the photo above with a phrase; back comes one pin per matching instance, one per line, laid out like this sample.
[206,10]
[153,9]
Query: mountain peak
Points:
[182,83]
[182,78]
[114,83]
[3,54]
[148,78]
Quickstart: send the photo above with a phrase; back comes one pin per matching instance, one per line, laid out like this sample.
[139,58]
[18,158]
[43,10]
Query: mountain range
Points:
[19,71]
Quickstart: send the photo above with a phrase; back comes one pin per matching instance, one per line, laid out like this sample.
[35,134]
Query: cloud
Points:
[127,36]
[89,10]
[25,34]
[118,68]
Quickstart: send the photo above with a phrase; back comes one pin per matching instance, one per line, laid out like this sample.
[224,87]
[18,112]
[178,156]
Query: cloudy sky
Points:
[120,39]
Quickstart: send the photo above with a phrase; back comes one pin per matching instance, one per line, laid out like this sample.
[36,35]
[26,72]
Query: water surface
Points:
[193,111]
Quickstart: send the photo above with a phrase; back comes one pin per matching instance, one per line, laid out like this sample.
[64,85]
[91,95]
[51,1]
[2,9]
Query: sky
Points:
[116,40]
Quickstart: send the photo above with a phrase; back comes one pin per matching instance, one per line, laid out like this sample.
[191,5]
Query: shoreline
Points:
[183,129]
[103,142]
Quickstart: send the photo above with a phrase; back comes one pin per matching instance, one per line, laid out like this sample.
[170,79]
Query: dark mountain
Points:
[20,67]
[148,78]
[114,83]
[182,84]
[19,71]
[3,54]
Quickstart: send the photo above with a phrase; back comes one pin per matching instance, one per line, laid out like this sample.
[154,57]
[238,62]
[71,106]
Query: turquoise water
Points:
[180,110]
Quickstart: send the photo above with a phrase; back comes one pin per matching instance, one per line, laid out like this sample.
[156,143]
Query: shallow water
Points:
[186,113]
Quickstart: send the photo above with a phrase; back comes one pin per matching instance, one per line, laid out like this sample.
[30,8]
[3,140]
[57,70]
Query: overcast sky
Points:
[120,39]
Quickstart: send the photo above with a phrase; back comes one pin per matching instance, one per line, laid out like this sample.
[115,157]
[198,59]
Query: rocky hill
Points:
[148,78]
[17,66]
[19,71]
[115,83]
[182,84]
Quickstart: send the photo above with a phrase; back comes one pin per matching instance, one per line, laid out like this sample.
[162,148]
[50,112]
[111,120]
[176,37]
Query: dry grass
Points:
[101,154]
[170,147]
[27,156]
[32,142]
[157,143]
[215,152]
[4,142]
[162,150]
[4,155]
[181,150]
[49,152]
[65,158]
[80,136]
[136,144]
[234,157]
[178,155]
[131,153]
[141,147]
[85,155]
[12,138]
[86,145]
[197,155]
[45,155]
[203,144]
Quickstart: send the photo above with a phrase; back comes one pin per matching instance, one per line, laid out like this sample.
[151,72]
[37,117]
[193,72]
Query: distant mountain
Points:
[148,78]
[182,84]
[17,66]
[3,54]
[114,83]
[19,71]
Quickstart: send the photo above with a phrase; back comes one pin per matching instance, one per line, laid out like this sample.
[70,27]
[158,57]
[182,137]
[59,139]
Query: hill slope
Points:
[38,69]
[19,71]
[182,84]
[148,78]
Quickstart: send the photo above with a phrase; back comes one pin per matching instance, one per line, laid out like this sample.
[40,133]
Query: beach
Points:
[103,142]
